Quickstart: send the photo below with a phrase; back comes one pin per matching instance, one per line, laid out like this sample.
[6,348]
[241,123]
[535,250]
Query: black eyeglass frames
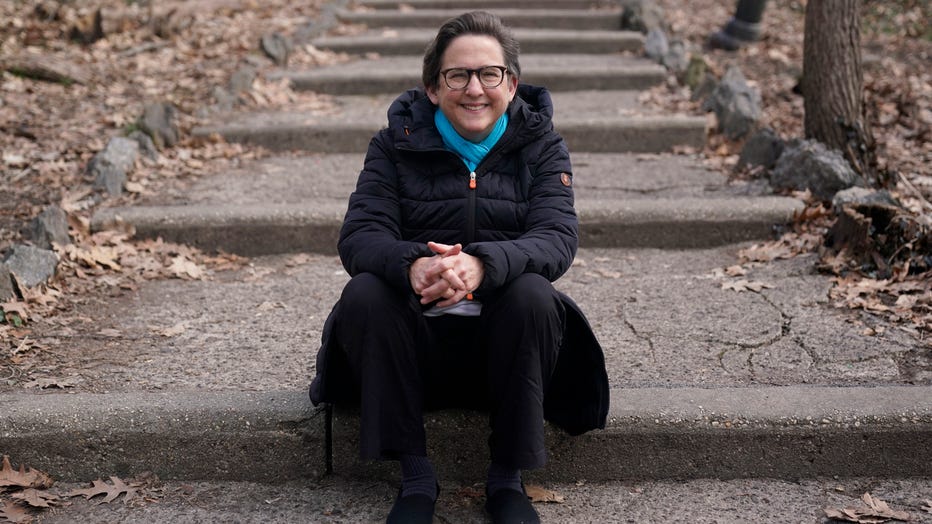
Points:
[489,76]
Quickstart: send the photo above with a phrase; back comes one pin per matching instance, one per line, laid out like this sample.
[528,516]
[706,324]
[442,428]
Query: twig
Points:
[915,192]
[143,48]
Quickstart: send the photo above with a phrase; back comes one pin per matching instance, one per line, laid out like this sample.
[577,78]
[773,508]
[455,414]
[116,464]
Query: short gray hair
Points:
[472,23]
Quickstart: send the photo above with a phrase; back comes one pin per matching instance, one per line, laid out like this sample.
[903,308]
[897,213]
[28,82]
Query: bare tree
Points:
[832,84]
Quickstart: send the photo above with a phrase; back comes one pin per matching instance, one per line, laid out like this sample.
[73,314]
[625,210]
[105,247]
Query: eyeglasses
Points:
[459,77]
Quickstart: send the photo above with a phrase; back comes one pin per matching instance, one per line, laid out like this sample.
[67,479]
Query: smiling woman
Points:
[461,220]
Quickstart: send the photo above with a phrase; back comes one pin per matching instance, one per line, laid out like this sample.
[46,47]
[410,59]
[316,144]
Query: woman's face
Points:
[474,110]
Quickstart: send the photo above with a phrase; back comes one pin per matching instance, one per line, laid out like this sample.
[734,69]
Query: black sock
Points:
[501,477]
[418,477]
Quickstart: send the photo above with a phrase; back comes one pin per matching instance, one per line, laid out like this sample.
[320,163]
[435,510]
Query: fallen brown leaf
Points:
[876,512]
[15,513]
[927,506]
[539,494]
[24,477]
[37,498]
[110,492]
[745,285]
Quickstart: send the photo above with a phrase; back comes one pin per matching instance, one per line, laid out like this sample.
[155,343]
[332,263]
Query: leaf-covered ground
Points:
[183,52]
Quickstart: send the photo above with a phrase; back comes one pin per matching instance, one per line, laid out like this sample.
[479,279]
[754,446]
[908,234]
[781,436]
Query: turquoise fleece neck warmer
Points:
[471,152]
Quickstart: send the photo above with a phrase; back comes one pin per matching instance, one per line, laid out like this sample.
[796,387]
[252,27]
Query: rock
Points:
[223,99]
[862,196]
[157,121]
[145,143]
[277,46]
[241,80]
[50,227]
[677,57]
[641,15]
[6,283]
[47,68]
[31,266]
[696,72]
[762,149]
[655,45]
[736,104]
[705,88]
[808,164]
[110,166]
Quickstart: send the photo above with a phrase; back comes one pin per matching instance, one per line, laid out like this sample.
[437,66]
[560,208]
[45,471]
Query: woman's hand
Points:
[448,276]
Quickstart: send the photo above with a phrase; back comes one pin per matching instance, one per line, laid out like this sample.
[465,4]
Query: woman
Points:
[461,219]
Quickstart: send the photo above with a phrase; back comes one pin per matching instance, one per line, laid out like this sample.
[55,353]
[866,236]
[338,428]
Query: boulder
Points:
[241,80]
[656,46]
[808,164]
[641,15]
[862,196]
[50,227]
[736,104]
[158,121]
[110,166]
[277,47]
[31,266]
[762,149]
[6,283]
[677,57]
[145,143]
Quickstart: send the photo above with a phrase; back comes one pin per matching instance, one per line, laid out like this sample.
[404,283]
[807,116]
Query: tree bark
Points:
[832,84]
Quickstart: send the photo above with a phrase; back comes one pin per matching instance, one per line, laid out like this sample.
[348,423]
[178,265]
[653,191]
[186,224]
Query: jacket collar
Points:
[411,119]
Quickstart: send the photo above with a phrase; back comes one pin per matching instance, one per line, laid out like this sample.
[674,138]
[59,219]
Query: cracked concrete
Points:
[662,317]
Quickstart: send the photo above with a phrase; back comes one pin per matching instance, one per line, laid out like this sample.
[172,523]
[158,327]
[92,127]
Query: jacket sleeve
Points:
[550,238]
[370,239]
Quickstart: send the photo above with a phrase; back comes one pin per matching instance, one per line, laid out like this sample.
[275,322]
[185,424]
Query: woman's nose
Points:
[474,86]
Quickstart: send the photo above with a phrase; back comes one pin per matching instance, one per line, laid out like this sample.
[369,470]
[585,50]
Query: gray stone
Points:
[641,15]
[146,145]
[31,266]
[50,227]
[157,121]
[241,80]
[704,88]
[656,46]
[277,46]
[808,164]
[6,283]
[736,104]
[223,99]
[110,166]
[676,58]
[762,149]
[863,196]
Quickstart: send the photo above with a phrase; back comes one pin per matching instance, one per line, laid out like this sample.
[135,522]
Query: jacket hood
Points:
[411,117]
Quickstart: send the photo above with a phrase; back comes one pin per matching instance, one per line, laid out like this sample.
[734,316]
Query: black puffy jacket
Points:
[518,219]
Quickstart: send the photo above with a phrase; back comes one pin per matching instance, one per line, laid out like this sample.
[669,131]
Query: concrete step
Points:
[533,41]
[394,74]
[617,124]
[297,204]
[692,367]
[772,432]
[340,499]
[534,17]
[465,5]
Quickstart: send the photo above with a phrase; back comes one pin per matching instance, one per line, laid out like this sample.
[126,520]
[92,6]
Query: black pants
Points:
[406,363]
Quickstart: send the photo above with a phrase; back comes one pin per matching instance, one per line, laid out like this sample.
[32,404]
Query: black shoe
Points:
[507,506]
[413,509]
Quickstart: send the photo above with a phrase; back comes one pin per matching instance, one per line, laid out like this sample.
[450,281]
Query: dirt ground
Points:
[181,52]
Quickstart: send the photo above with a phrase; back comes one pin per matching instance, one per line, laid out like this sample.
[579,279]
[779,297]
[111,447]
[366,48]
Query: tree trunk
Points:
[832,84]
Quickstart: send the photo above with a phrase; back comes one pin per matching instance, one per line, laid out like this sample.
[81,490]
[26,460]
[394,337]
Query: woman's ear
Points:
[512,87]
[433,95]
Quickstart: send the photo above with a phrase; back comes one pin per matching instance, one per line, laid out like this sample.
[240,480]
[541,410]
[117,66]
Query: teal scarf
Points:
[471,152]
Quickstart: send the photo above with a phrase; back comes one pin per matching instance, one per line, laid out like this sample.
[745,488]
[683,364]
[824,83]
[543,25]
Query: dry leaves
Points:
[745,285]
[26,490]
[539,494]
[876,512]
[110,491]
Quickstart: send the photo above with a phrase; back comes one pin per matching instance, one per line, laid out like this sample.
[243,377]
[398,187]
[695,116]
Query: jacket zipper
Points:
[471,209]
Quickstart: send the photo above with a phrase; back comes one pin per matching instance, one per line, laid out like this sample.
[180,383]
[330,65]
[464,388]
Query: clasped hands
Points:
[447,276]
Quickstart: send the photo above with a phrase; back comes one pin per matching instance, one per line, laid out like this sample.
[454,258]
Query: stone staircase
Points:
[692,369]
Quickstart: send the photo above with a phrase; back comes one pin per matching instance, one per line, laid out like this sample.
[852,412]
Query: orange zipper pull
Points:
[472,180]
